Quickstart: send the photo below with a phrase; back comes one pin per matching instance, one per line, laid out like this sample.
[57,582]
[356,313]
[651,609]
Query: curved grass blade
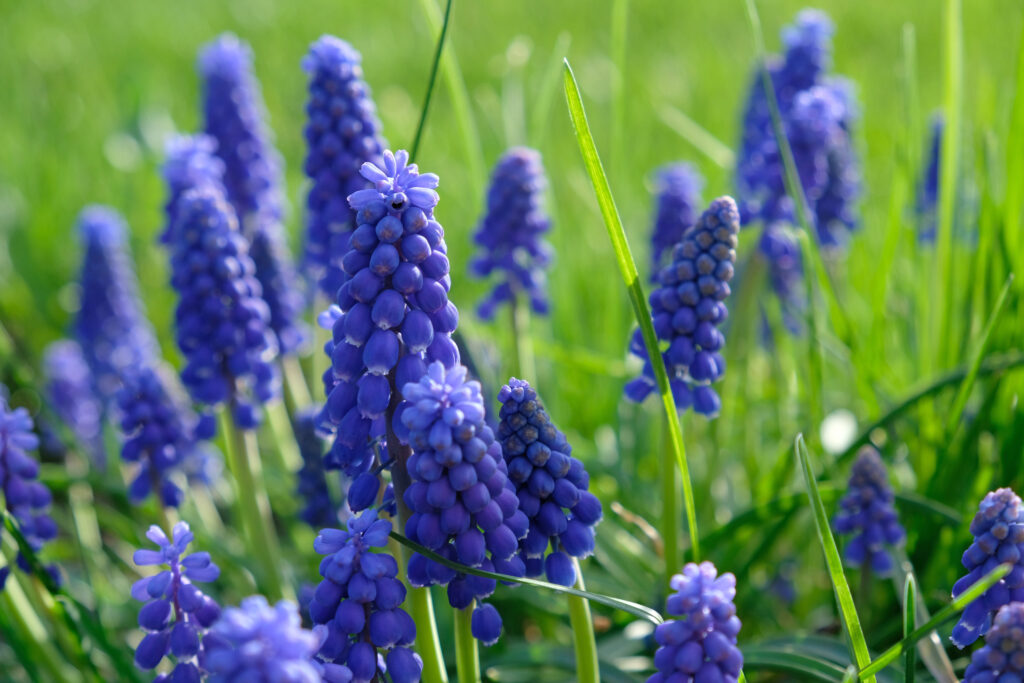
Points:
[698,136]
[430,83]
[615,603]
[803,667]
[847,610]
[909,622]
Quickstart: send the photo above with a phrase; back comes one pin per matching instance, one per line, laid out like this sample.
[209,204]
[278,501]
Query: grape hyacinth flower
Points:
[998,530]
[69,392]
[464,507]
[26,499]
[235,117]
[189,162]
[678,189]
[510,236]
[319,510]
[1002,656]
[928,190]
[177,614]
[551,486]
[687,308]
[222,323]
[360,603]
[701,645]
[342,133]
[867,512]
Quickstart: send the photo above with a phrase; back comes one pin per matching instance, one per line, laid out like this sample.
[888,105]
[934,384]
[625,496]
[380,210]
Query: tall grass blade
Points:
[909,622]
[619,33]
[430,82]
[544,95]
[1013,203]
[698,136]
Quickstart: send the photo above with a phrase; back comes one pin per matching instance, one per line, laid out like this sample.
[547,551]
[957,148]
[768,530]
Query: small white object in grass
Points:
[122,151]
[838,430]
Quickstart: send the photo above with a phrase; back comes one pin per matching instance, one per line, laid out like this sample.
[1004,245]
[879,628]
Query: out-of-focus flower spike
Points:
[867,513]
[677,198]
[70,392]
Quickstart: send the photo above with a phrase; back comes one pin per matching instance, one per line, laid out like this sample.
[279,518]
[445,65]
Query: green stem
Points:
[296,391]
[583,641]
[288,458]
[25,619]
[524,366]
[467,657]
[669,506]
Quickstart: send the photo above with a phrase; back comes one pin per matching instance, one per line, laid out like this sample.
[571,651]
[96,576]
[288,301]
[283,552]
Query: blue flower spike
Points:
[867,513]
[70,391]
[1002,656]
[677,201]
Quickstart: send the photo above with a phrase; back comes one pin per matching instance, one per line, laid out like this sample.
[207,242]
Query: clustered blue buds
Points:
[342,133]
[998,530]
[701,645]
[360,602]
[464,507]
[177,614]
[928,189]
[551,486]
[867,512]
[510,236]
[687,308]
[69,392]
[319,509]
[677,200]
[1002,656]
[189,162]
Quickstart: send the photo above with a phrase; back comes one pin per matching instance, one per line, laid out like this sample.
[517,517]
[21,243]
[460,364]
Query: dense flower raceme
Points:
[687,308]
[319,510]
[25,498]
[360,602]
[928,189]
[998,530]
[177,614]
[392,315]
[342,133]
[551,486]
[511,235]
[69,391]
[190,161]
[677,198]
[110,325]
[701,645]
[1002,656]
[464,507]
[235,117]
[222,323]
[867,512]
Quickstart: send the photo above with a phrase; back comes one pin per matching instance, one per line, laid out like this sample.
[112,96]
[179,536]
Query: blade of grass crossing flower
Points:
[814,360]
[703,141]
[628,270]
[430,82]
[847,610]
[909,622]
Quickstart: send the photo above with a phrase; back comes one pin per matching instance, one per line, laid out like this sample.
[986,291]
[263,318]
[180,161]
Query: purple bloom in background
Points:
[342,133]
[551,486]
[677,200]
[319,510]
[69,392]
[998,530]
[867,512]
[687,308]
[359,602]
[928,189]
[1002,657]
[464,506]
[189,162]
[177,614]
[235,117]
[511,235]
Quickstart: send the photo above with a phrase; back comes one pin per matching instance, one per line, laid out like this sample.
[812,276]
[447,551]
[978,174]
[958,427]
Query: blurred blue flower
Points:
[69,393]
[1002,656]
[867,512]
[928,189]
[677,192]
[189,162]
[318,510]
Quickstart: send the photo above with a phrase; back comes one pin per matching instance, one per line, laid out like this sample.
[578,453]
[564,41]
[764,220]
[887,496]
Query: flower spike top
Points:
[1002,656]
[342,132]
[189,162]
[360,602]
[551,486]
[701,645]
[688,307]
[678,199]
[510,236]
[998,530]
[464,507]
[69,391]
[177,614]
[867,512]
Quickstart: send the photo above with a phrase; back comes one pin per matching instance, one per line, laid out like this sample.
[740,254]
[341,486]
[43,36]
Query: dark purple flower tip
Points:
[404,665]
[486,624]
[1002,656]
[152,649]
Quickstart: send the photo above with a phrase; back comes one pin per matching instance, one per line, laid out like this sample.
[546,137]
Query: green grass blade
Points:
[619,34]
[702,140]
[544,95]
[790,660]
[1013,202]
[414,148]
[909,622]
[847,610]
[631,277]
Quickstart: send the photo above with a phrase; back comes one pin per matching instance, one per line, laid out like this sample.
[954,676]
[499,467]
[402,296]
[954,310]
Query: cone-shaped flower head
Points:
[928,189]
[688,306]
[551,486]
[360,602]
[235,117]
[464,507]
[318,510]
[69,391]
[110,325]
[222,323]
[394,306]
[677,201]
[1002,656]
[25,498]
[866,512]
[701,644]
[189,162]
[998,530]
[342,133]
[511,235]
[177,614]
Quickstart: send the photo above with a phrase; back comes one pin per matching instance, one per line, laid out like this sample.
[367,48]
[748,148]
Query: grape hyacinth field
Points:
[525,342]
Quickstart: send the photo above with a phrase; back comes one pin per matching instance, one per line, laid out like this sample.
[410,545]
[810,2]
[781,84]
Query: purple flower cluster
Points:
[551,486]
[998,530]
[1002,656]
[189,162]
[319,510]
[687,308]
[867,512]
[464,507]
[928,189]
[677,200]
[342,133]
[176,615]
[360,602]
[69,393]
[511,234]
[701,644]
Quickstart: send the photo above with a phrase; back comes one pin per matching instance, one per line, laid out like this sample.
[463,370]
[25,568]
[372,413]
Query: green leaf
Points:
[909,621]
[703,141]
[415,147]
